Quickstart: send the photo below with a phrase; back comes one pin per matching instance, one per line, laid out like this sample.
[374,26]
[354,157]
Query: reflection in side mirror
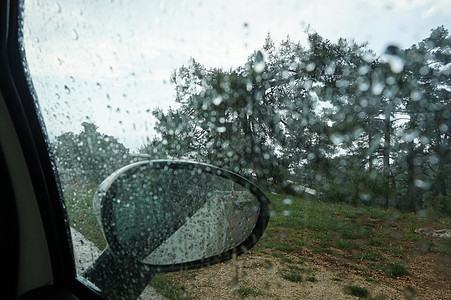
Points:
[173,214]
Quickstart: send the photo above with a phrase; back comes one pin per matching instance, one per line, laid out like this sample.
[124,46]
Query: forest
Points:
[357,127]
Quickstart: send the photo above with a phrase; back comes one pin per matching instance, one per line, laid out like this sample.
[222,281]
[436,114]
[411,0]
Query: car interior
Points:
[38,254]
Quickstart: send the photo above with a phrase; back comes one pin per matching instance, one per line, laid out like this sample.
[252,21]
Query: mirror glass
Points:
[178,214]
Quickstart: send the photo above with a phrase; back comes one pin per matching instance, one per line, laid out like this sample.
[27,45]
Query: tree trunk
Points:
[410,194]
[410,160]
[442,150]
[387,137]
[441,177]
[370,152]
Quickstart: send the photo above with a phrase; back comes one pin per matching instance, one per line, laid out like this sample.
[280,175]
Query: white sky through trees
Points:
[109,62]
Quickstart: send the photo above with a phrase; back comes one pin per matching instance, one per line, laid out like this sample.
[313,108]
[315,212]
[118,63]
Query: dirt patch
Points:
[323,277]
[431,275]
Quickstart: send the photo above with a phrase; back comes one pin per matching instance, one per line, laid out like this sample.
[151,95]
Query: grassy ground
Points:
[80,214]
[373,242]
[378,244]
[368,233]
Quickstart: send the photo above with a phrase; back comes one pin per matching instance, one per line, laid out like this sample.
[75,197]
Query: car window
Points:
[338,110]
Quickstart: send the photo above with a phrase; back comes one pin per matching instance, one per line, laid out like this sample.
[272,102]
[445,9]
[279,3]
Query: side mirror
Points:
[171,215]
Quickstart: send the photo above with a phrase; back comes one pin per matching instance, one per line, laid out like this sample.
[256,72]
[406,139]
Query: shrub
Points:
[284,247]
[166,287]
[395,270]
[244,292]
[344,244]
[374,242]
[354,186]
[292,276]
[440,205]
[335,195]
[355,290]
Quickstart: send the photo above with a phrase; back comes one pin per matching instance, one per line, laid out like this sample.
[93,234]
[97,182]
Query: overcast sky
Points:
[109,62]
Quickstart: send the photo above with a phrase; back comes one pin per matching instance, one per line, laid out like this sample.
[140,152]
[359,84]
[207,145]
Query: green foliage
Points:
[374,242]
[344,244]
[307,225]
[301,260]
[322,250]
[394,251]
[368,231]
[263,120]
[282,257]
[357,291]
[244,292]
[164,285]
[352,185]
[356,231]
[284,247]
[89,156]
[439,205]
[80,214]
[370,254]
[395,270]
[293,276]
[297,268]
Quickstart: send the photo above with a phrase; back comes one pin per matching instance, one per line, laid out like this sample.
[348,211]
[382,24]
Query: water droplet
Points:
[287,201]
[221,129]
[410,135]
[422,184]
[415,95]
[364,69]
[395,62]
[443,128]
[75,34]
[330,69]
[424,70]
[369,57]
[364,86]
[67,89]
[390,80]
[310,67]
[377,88]
[336,138]
[424,140]
[377,84]
[259,63]
[365,195]
[218,100]
[249,86]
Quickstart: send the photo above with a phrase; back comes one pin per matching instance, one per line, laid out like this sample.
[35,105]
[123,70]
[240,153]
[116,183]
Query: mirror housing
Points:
[172,214]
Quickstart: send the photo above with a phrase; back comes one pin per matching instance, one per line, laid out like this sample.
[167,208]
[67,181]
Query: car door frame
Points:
[25,155]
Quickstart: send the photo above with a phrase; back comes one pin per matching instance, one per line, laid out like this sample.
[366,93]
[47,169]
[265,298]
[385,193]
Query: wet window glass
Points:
[338,111]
